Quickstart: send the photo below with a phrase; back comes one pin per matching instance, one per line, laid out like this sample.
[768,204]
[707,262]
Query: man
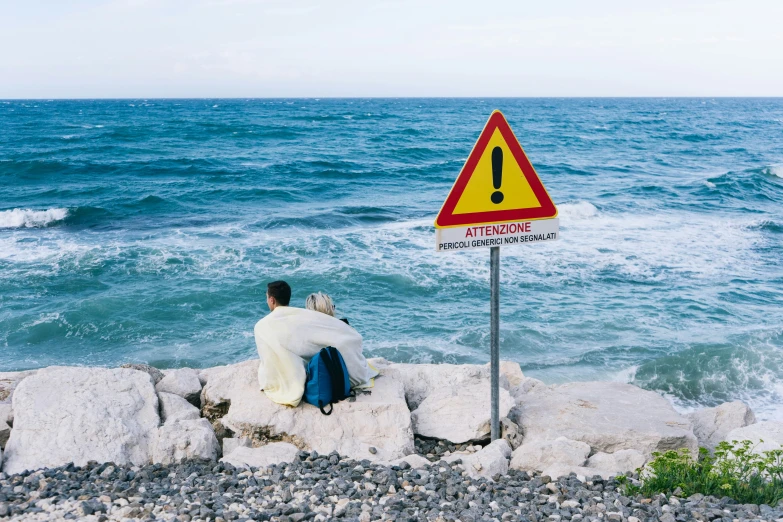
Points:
[288,337]
[278,293]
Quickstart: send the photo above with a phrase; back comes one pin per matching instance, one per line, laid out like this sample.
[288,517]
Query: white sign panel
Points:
[503,234]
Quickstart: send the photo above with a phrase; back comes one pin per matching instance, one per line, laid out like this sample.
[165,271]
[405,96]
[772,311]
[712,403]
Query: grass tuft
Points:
[735,470]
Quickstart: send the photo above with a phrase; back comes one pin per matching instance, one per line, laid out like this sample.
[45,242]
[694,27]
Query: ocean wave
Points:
[775,170]
[748,369]
[578,210]
[26,218]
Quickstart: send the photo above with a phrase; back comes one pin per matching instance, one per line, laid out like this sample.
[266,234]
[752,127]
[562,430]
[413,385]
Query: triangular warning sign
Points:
[497,184]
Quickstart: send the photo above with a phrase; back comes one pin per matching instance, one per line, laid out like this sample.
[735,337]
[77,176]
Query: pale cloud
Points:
[147,48]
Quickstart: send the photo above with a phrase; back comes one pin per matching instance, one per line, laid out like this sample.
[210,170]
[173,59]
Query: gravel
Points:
[434,449]
[322,487]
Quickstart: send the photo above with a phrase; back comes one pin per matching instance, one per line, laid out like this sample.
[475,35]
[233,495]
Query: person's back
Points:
[289,336]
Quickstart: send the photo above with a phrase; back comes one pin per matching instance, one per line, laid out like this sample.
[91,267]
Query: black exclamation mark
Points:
[497,175]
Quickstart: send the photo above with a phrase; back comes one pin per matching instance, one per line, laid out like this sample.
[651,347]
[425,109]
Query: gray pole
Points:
[494,336]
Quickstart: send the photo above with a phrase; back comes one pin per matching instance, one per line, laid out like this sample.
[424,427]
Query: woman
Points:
[321,302]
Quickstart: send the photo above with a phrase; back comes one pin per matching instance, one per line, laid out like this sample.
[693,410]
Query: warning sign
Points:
[497,186]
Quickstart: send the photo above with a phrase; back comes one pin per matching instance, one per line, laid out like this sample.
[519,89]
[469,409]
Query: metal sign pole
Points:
[494,336]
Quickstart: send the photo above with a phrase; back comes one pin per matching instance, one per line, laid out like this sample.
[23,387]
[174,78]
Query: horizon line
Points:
[110,98]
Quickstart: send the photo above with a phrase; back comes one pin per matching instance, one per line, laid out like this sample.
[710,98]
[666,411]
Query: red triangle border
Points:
[446,217]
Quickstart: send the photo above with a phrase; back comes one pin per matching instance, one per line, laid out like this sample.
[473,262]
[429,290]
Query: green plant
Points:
[735,470]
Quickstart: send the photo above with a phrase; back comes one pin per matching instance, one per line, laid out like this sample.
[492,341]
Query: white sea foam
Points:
[776,170]
[25,218]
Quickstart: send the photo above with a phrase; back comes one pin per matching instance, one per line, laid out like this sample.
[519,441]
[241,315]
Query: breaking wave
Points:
[26,218]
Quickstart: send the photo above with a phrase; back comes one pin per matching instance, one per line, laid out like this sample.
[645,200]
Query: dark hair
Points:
[280,291]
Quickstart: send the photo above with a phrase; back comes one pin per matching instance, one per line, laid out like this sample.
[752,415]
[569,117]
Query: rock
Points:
[233,401]
[512,372]
[5,432]
[510,432]
[67,414]
[414,461]
[1,459]
[419,380]
[183,382]
[458,413]
[185,439]
[231,443]
[153,372]
[9,381]
[204,374]
[488,462]
[543,455]
[711,425]
[768,431]
[262,457]
[173,407]
[608,416]
[616,463]
[7,413]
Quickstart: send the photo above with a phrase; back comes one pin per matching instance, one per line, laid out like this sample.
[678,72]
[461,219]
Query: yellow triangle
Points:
[516,190]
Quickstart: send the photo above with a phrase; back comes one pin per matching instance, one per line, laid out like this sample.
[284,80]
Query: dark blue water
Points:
[141,230]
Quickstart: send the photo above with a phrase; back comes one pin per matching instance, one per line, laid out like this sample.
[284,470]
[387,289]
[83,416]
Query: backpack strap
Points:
[321,407]
[332,362]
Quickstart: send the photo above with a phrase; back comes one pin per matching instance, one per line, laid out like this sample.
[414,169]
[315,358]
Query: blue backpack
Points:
[327,380]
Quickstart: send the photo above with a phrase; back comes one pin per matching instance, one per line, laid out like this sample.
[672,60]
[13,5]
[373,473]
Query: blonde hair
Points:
[320,303]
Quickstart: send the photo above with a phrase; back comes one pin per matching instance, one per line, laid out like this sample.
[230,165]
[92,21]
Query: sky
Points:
[342,48]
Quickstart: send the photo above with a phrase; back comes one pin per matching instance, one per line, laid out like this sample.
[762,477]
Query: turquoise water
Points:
[145,230]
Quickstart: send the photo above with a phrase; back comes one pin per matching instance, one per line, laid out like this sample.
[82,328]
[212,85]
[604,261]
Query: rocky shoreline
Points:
[186,444]
[323,487]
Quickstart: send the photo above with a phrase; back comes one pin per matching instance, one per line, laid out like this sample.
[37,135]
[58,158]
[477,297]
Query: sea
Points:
[145,230]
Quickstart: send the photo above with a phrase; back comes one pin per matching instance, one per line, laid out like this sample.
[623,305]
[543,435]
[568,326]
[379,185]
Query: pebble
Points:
[326,487]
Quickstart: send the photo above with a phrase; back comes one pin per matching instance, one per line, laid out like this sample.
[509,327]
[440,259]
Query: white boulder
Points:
[5,432]
[232,443]
[414,461]
[771,433]
[546,454]
[262,457]
[711,425]
[67,414]
[489,461]
[183,382]
[9,381]
[616,463]
[379,420]
[458,413]
[608,416]
[155,374]
[203,374]
[6,413]
[173,408]
[185,439]
[420,380]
